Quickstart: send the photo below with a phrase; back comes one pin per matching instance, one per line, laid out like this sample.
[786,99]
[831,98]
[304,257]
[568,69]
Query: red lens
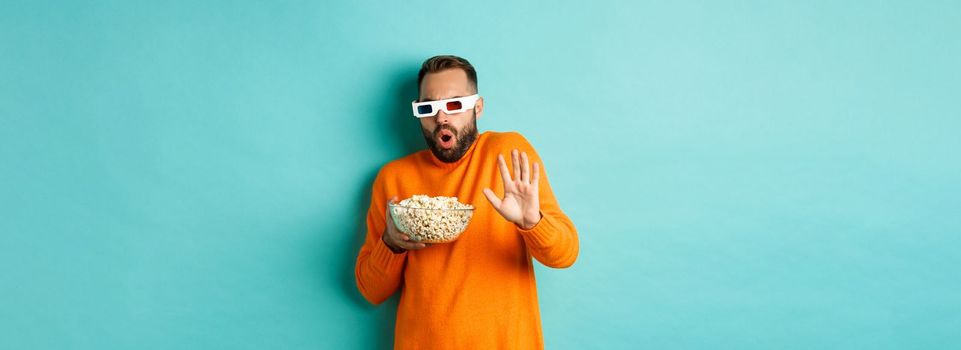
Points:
[454,105]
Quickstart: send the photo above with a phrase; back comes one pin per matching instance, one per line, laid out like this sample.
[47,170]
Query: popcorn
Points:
[431,219]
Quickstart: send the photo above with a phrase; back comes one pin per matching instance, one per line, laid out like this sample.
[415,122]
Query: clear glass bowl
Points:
[430,225]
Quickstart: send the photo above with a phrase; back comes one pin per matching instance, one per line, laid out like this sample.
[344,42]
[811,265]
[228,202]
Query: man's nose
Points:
[442,118]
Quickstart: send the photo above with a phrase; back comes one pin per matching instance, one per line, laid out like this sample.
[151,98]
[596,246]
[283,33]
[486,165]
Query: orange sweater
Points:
[477,292]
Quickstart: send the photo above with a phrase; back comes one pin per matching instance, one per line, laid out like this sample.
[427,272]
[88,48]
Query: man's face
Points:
[449,136]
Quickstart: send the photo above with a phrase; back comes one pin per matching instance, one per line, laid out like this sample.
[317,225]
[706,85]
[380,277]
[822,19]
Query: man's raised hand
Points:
[521,202]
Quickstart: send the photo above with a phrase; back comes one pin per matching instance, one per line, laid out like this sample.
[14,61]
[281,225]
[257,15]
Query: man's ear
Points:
[479,107]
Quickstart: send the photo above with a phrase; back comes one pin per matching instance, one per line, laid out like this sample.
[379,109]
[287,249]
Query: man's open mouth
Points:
[445,139]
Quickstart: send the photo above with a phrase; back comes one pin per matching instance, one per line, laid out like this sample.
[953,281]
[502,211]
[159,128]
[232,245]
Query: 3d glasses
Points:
[449,106]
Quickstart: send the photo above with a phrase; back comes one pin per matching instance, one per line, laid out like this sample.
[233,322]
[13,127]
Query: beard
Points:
[465,138]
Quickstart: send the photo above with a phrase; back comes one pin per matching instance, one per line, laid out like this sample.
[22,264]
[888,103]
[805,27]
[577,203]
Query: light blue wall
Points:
[744,175]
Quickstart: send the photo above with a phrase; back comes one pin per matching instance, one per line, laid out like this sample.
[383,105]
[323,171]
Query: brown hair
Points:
[440,63]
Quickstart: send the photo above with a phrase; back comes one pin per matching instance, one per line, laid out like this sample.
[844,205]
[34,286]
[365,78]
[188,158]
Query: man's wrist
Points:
[527,226]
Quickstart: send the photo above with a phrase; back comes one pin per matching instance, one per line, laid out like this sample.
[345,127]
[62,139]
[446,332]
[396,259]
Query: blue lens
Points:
[425,109]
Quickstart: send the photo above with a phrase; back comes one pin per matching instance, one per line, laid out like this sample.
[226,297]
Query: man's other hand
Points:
[397,241]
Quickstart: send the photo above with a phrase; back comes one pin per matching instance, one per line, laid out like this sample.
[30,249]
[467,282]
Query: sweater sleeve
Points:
[378,270]
[553,240]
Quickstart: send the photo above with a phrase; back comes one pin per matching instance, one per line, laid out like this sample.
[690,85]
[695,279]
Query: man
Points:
[477,292]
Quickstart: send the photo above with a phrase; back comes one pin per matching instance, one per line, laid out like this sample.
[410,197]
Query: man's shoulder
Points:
[507,138]
[504,142]
[401,164]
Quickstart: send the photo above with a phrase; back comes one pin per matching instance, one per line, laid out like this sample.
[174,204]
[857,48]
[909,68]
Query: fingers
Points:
[505,174]
[517,165]
[408,244]
[411,245]
[537,175]
[416,246]
[525,168]
[387,209]
[390,217]
[403,241]
[491,197]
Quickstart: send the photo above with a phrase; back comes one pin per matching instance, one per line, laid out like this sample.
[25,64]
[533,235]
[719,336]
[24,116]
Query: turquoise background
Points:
[743,175]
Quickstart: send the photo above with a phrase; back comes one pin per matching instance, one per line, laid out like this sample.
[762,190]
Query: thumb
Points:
[387,207]
[491,197]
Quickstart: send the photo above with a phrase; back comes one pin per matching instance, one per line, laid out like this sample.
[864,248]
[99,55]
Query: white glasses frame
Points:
[466,102]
